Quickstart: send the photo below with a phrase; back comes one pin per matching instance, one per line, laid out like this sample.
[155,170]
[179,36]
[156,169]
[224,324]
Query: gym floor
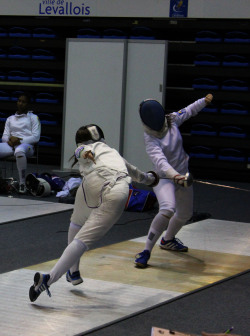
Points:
[204,289]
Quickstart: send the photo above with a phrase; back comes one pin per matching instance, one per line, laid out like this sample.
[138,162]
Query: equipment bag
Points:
[140,200]
[56,182]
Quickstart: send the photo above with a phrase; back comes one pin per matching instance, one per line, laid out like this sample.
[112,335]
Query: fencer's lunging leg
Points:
[73,230]
[71,254]
[158,225]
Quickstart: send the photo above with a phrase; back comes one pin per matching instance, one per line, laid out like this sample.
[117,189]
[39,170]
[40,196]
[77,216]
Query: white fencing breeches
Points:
[96,222]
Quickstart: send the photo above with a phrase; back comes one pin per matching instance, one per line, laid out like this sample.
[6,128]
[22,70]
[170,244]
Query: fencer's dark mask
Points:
[152,114]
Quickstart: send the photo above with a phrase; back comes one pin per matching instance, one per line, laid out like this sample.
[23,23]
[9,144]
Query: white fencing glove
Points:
[183,180]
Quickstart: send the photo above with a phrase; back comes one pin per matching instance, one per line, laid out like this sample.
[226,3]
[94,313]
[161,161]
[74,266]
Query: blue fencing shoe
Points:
[142,258]
[40,285]
[174,245]
[75,278]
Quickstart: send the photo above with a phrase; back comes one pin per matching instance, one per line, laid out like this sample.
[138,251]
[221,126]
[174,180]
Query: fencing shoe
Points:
[142,258]
[174,245]
[40,285]
[75,278]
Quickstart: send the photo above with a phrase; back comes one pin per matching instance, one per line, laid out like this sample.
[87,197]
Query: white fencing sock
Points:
[158,225]
[73,230]
[72,253]
[21,163]
[174,226]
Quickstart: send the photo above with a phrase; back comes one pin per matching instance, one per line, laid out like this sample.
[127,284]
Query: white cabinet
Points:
[105,82]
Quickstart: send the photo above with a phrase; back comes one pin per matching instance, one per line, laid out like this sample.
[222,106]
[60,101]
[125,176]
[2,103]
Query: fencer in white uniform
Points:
[100,201]
[163,142]
[22,130]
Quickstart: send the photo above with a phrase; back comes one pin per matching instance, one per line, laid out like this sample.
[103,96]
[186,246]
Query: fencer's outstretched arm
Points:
[149,178]
[192,109]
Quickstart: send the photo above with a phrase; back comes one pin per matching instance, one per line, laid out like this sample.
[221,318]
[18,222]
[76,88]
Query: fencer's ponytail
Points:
[75,160]
[169,119]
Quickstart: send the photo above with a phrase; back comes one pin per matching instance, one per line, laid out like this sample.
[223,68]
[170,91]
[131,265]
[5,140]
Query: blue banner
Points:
[178,8]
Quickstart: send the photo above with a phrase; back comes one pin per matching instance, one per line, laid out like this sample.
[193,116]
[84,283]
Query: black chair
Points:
[12,160]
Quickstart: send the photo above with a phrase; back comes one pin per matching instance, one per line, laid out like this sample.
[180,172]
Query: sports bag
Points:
[140,200]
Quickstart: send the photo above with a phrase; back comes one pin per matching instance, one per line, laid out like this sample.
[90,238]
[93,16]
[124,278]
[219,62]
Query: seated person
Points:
[21,132]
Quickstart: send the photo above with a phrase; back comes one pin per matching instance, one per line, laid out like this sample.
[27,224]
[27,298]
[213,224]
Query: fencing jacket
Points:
[168,151]
[25,126]
[103,174]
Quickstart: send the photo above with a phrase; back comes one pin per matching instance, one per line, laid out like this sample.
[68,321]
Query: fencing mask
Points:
[152,114]
[37,186]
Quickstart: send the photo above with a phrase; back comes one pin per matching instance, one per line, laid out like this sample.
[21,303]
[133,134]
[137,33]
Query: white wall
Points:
[121,8]
[227,9]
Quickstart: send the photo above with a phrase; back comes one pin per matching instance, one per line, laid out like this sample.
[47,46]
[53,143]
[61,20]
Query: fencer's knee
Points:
[19,154]
[81,240]
[166,213]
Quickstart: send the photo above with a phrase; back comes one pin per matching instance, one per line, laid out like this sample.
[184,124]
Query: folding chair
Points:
[12,160]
